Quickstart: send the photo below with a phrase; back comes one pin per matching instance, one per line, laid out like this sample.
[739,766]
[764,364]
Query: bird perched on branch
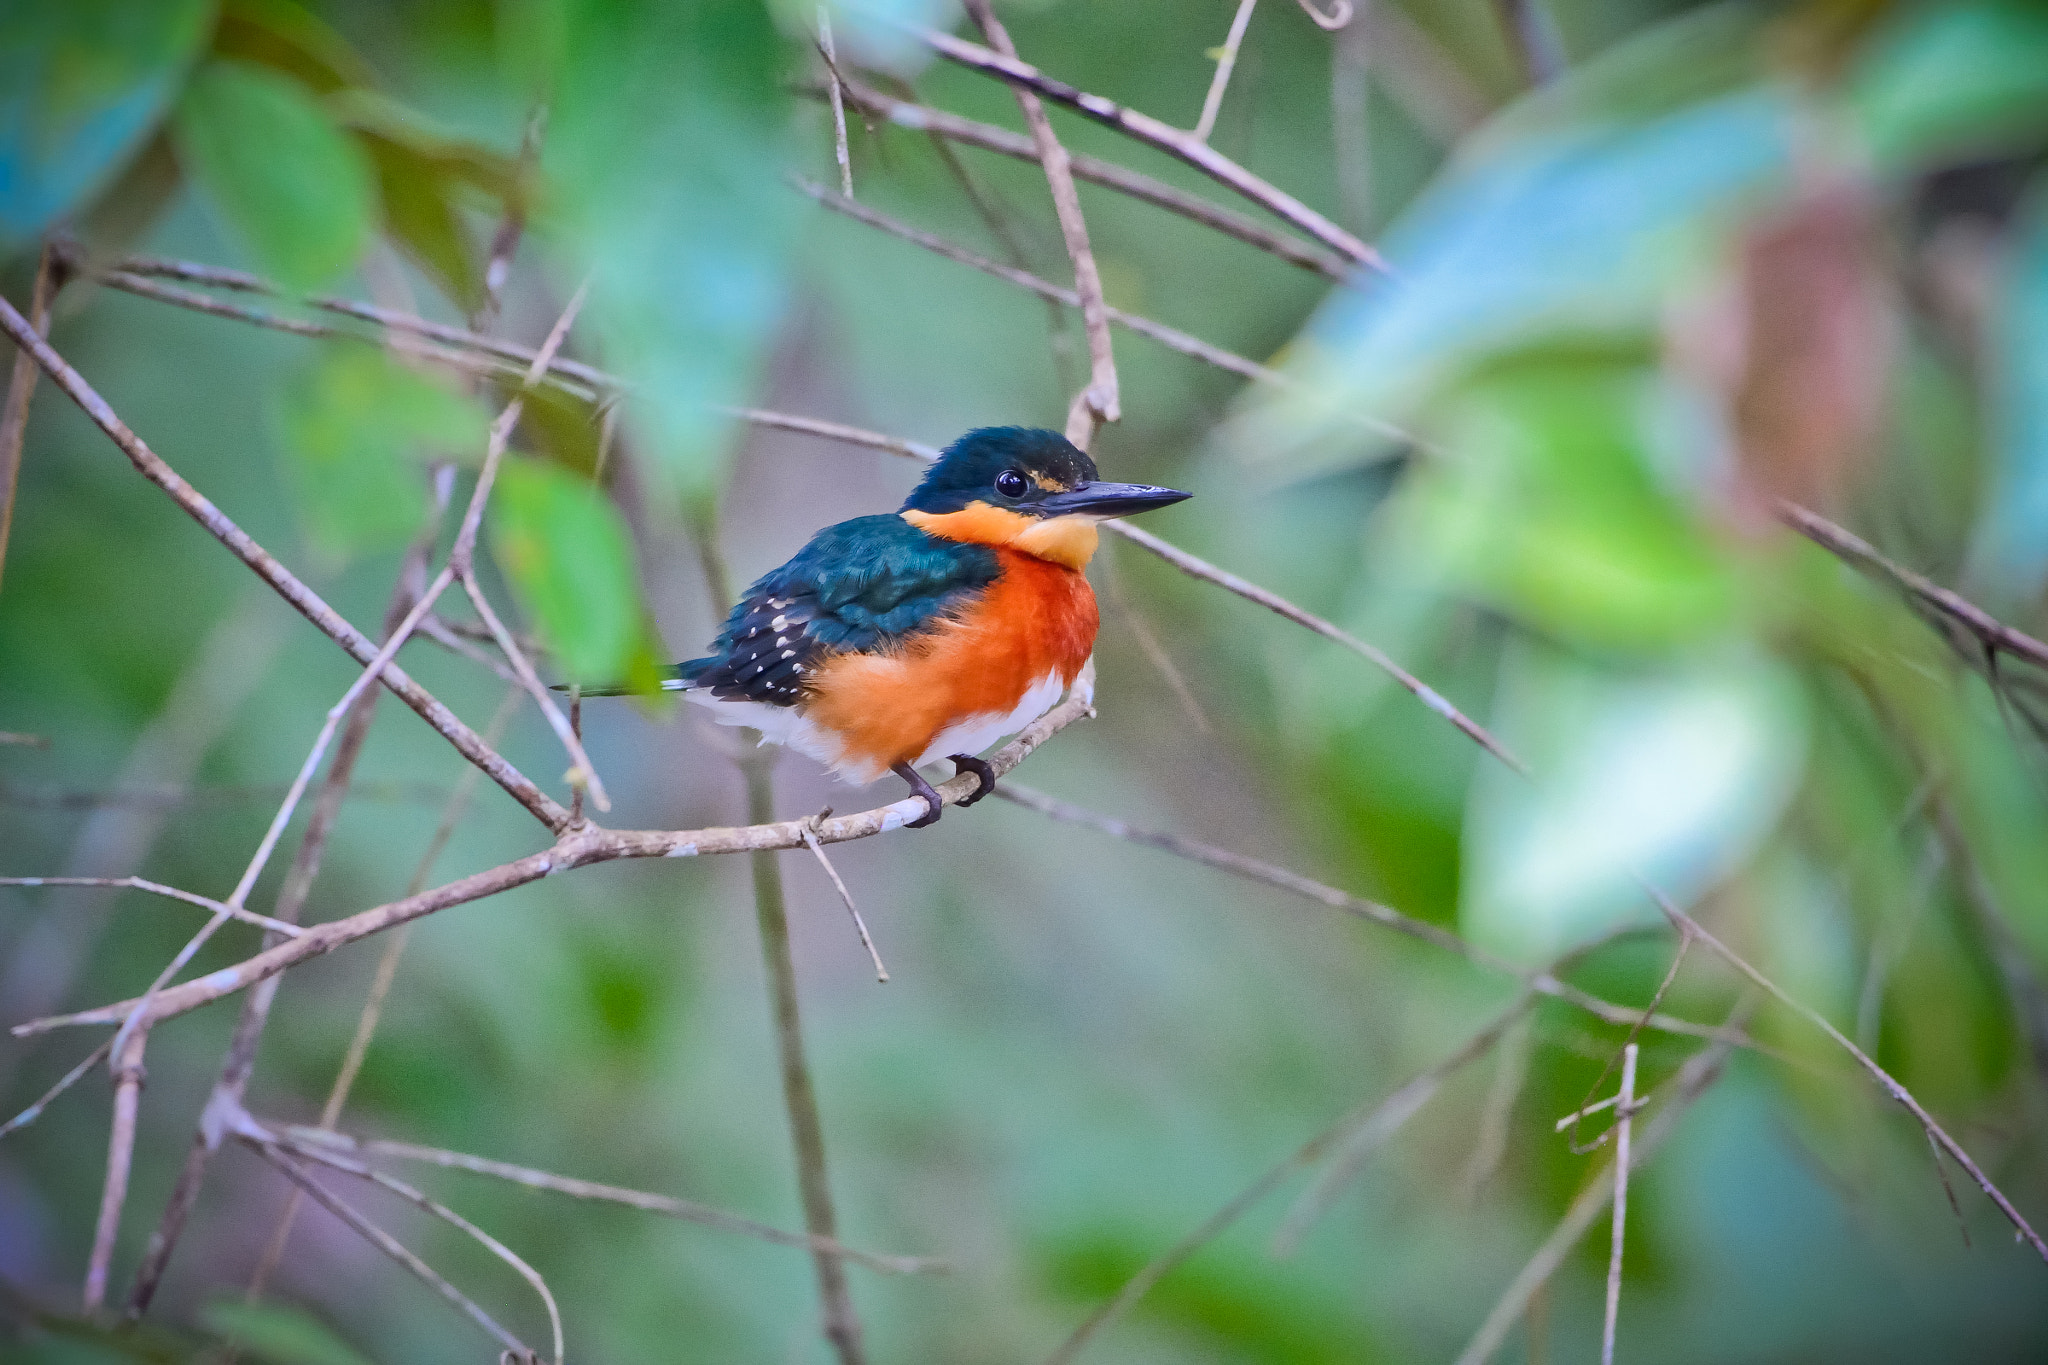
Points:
[892,641]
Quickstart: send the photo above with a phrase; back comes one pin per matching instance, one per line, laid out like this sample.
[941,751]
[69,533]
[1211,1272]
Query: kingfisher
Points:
[889,642]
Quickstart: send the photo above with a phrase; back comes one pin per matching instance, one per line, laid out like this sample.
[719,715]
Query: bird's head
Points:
[1029,489]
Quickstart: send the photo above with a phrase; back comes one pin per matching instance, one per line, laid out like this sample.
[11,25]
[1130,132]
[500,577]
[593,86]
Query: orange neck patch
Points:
[1067,541]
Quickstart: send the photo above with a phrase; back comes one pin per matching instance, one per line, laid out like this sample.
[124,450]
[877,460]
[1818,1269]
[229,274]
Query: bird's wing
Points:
[863,585]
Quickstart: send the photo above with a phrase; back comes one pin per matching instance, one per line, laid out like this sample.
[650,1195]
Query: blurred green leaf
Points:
[279,1334]
[2012,544]
[82,84]
[292,185]
[1952,80]
[1545,504]
[357,428]
[1568,235]
[665,150]
[566,552]
[1675,776]
[290,39]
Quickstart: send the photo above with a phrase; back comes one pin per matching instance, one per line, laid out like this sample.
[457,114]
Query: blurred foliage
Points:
[1736,253]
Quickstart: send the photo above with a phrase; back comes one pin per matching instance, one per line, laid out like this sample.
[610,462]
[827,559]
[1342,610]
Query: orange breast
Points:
[1037,618]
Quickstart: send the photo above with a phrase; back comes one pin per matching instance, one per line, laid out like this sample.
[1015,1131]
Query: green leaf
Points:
[292,185]
[290,39]
[281,1335]
[1676,776]
[1953,80]
[666,142]
[357,428]
[565,550]
[82,85]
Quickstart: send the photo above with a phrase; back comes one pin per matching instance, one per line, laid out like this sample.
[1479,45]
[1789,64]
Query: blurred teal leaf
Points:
[278,1334]
[2012,540]
[1675,776]
[1570,234]
[664,156]
[566,552]
[1954,79]
[357,429]
[291,184]
[82,84]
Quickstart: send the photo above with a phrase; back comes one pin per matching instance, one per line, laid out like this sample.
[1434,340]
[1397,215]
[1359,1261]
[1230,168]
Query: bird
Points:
[891,641]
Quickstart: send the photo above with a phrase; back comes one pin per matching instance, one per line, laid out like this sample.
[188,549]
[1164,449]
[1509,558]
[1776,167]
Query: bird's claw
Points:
[967,763]
[934,806]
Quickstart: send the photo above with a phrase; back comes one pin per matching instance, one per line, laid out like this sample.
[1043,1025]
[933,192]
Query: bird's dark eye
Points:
[1010,484]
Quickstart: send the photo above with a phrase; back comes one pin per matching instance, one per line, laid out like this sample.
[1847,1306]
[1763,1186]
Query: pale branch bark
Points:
[1226,62]
[846,897]
[1165,137]
[126,1065]
[1694,1078]
[21,388]
[1543,982]
[69,1079]
[1360,1117]
[1170,337]
[302,598]
[1339,15]
[578,847]
[1624,1108]
[1099,401]
[686,1210]
[1884,1079]
[168,892]
[806,1125]
[1108,174]
[840,151]
[302,1179]
[1989,632]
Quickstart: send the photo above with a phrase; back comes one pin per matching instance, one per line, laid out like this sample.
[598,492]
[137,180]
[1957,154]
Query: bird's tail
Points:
[674,678]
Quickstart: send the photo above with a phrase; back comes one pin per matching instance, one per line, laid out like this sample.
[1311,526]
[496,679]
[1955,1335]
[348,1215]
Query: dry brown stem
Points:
[21,388]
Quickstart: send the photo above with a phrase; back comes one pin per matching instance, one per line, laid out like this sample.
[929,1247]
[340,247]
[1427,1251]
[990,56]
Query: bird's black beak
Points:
[1099,499]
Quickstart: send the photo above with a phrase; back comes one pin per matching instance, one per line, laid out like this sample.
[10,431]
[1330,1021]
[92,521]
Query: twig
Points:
[1226,62]
[1170,337]
[1099,401]
[302,598]
[1108,174]
[21,388]
[127,1048]
[860,925]
[1163,136]
[386,1243]
[1877,1073]
[579,847]
[168,892]
[684,1209]
[70,1078]
[1656,998]
[1360,1140]
[1338,17]
[1214,1226]
[839,148]
[1699,1072]
[1625,1107]
[806,1128]
[1133,620]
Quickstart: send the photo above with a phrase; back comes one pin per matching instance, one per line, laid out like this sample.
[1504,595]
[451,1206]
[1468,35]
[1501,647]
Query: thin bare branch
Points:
[1170,337]
[1226,62]
[1586,1106]
[578,847]
[806,1125]
[289,1164]
[21,388]
[1339,15]
[1694,1078]
[684,1209]
[860,925]
[302,598]
[1884,1078]
[1163,136]
[1108,174]
[126,1048]
[1217,1223]
[1625,1106]
[70,1078]
[840,151]
[168,892]
[1099,401]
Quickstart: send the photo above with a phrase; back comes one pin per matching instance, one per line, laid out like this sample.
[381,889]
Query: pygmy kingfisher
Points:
[893,641]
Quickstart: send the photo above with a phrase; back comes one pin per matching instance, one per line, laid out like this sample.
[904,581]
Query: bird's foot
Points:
[920,787]
[967,763]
